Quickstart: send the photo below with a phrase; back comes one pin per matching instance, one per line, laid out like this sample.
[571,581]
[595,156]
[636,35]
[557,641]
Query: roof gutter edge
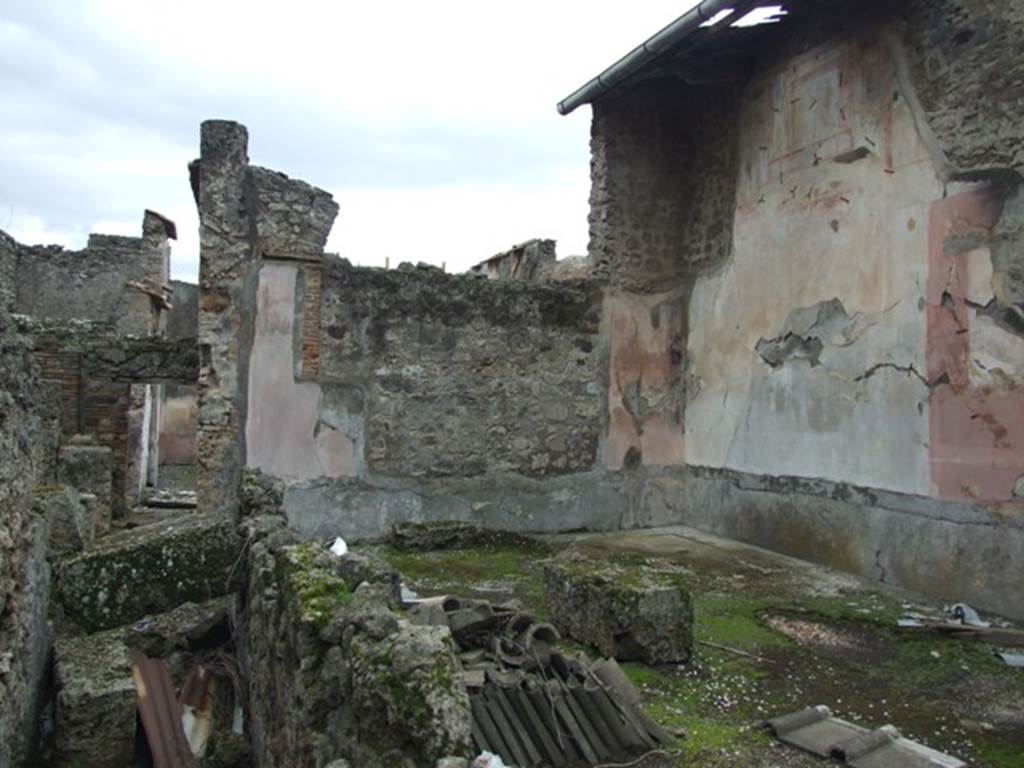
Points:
[642,54]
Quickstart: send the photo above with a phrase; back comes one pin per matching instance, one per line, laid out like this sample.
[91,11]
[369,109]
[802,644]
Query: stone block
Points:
[625,614]
[95,712]
[86,466]
[150,570]
[188,628]
[406,684]
[70,522]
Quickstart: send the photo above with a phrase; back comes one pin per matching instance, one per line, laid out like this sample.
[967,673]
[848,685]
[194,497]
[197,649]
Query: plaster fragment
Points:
[978,263]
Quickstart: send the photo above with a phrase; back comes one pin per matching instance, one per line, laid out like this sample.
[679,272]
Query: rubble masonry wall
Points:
[434,397]
[56,284]
[26,430]
[847,376]
[246,214]
[61,290]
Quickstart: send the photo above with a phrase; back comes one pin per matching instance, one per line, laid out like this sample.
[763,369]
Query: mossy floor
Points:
[814,636]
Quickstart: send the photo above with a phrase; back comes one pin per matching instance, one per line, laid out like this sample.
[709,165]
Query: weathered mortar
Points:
[246,213]
[663,171]
[840,334]
[90,284]
[462,376]
[27,426]
[965,57]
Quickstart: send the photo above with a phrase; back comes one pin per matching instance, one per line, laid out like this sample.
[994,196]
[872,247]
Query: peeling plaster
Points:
[807,330]
[976,449]
[806,350]
[645,389]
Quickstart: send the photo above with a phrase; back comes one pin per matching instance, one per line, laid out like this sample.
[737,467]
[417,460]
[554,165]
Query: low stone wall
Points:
[362,510]
[945,549]
[333,672]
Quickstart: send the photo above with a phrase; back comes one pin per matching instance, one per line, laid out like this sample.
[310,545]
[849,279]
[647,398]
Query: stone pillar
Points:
[226,301]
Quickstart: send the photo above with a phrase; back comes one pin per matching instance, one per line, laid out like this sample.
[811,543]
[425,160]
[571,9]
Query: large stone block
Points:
[85,465]
[625,614]
[95,714]
[71,523]
[150,570]
[96,699]
[407,684]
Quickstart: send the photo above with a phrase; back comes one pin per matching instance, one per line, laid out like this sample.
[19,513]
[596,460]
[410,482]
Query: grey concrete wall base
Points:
[364,510]
[947,550]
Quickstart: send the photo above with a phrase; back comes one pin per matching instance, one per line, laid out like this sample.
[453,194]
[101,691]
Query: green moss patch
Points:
[317,590]
[495,574]
[835,642]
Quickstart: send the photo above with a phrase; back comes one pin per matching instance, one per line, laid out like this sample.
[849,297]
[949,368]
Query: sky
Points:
[433,124]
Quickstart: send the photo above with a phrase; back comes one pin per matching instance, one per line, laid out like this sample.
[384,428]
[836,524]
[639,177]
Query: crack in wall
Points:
[879,566]
[910,369]
[806,331]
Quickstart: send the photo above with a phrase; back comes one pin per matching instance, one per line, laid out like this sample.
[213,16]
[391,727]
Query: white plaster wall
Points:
[809,229]
[285,434]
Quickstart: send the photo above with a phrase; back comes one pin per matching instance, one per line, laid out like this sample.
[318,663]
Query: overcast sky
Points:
[433,124]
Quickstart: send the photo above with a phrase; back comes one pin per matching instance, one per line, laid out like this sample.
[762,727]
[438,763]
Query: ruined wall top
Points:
[532,260]
[9,248]
[114,279]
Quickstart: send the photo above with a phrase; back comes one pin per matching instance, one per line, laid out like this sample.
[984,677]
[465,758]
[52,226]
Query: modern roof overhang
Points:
[709,22]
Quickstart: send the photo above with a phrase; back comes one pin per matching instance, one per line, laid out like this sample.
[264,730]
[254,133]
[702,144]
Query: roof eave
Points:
[643,54]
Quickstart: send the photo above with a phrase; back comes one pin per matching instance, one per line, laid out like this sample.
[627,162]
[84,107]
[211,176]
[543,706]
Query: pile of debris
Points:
[533,705]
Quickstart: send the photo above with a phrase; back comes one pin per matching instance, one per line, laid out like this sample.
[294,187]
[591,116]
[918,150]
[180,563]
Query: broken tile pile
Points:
[533,705]
[815,730]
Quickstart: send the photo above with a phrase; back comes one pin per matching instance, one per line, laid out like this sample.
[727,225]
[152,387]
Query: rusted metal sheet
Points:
[160,713]
[197,700]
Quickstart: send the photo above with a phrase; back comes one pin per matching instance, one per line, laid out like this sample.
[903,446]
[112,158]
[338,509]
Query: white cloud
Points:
[434,124]
[461,224]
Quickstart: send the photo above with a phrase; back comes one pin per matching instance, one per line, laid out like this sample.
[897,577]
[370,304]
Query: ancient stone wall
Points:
[532,260]
[320,633]
[663,160]
[435,395]
[97,319]
[94,369]
[8,269]
[26,430]
[801,352]
[461,376]
[92,284]
[245,213]
[965,62]
[861,326]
